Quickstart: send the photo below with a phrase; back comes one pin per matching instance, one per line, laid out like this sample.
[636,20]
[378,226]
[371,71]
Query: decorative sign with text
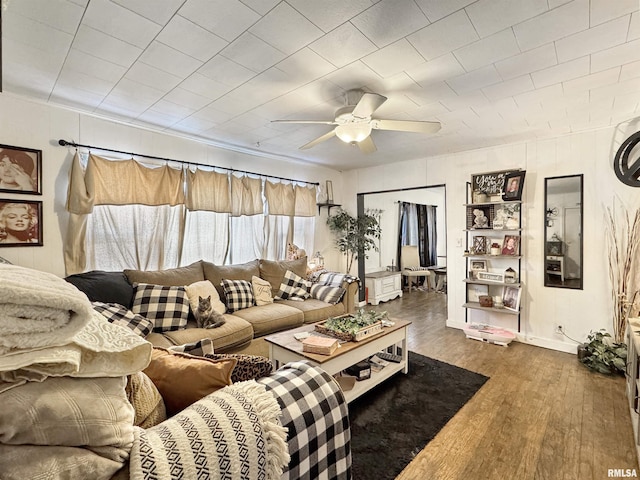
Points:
[491,183]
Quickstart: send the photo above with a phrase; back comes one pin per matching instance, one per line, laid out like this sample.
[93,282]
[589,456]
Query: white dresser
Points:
[383,286]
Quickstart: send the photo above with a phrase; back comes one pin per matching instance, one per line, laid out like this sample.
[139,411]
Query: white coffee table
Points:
[283,348]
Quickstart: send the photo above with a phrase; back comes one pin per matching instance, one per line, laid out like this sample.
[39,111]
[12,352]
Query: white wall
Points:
[589,153]
[31,124]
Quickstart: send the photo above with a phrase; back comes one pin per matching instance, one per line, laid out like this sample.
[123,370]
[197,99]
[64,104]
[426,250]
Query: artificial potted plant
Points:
[602,354]
[355,235]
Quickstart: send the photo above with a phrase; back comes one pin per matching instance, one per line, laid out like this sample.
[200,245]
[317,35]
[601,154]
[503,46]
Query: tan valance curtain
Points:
[305,201]
[281,198]
[246,196]
[209,191]
[122,182]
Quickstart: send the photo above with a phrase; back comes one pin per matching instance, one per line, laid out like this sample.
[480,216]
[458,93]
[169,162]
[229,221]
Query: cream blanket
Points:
[38,309]
[100,349]
[65,428]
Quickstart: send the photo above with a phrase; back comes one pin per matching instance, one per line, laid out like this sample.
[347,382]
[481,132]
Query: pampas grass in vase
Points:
[623,236]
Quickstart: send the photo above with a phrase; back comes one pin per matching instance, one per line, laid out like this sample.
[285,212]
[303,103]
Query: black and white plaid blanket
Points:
[332,279]
[315,413]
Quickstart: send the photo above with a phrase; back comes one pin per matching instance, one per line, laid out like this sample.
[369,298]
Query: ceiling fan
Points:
[354,122]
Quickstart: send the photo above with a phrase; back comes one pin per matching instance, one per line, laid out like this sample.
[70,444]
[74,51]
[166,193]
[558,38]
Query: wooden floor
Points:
[541,415]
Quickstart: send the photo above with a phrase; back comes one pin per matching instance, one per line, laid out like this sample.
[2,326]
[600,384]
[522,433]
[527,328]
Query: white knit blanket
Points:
[234,433]
[38,309]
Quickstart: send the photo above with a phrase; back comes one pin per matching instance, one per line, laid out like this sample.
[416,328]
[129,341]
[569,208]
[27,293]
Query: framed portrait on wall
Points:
[513,185]
[20,170]
[20,223]
[511,298]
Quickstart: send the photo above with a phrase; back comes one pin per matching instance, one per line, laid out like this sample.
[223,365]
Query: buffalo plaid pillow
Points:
[120,315]
[294,287]
[239,294]
[199,348]
[167,307]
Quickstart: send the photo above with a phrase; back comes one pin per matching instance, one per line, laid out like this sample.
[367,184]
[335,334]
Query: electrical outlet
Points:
[559,329]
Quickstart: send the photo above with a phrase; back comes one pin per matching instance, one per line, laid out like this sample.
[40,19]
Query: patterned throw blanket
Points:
[231,434]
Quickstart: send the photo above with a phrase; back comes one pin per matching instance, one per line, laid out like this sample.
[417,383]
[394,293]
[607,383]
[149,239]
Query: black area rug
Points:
[393,422]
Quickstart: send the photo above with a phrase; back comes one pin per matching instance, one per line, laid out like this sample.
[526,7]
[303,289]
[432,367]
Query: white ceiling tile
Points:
[205,86]
[191,39]
[285,29]
[158,12]
[129,90]
[186,98]
[600,79]
[443,36]
[260,6]
[491,16]
[482,77]
[630,70]
[305,66]
[603,36]
[154,117]
[634,27]
[193,124]
[103,46]
[398,83]
[59,14]
[170,60]
[154,77]
[35,34]
[81,3]
[604,10]
[561,72]
[354,75]
[75,97]
[118,22]
[612,57]
[121,110]
[527,62]
[488,50]
[83,62]
[556,3]
[253,53]
[343,45]
[509,88]
[535,98]
[553,25]
[475,99]
[390,20]
[435,10]
[328,14]
[168,108]
[226,71]
[225,18]
[436,70]
[612,91]
[82,81]
[393,58]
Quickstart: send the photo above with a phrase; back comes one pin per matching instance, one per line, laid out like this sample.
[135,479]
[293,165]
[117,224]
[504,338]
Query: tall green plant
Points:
[355,234]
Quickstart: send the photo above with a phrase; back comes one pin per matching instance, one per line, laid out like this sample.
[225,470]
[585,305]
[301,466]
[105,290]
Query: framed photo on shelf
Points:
[20,170]
[20,223]
[477,266]
[554,248]
[511,298]
[513,185]
[510,245]
[476,291]
[480,218]
[490,277]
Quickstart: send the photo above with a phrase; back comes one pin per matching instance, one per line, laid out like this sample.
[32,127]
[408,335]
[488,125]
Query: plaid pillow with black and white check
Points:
[293,287]
[199,349]
[316,416]
[167,307]
[121,315]
[238,293]
[327,294]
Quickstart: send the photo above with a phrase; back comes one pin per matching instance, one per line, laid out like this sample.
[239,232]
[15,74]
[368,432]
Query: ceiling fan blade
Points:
[368,104]
[406,125]
[322,122]
[324,137]
[367,145]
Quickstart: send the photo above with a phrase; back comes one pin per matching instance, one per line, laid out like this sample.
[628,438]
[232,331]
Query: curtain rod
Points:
[65,143]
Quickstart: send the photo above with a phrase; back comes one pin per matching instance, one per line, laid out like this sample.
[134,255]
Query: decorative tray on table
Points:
[353,327]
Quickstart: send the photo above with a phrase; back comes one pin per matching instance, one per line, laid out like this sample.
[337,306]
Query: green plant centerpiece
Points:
[354,235]
[604,355]
[347,326]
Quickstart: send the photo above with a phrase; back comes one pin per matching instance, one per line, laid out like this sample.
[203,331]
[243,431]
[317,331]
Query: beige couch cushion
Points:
[273,272]
[315,310]
[235,333]
[171,277]
[243,271]
[274,317]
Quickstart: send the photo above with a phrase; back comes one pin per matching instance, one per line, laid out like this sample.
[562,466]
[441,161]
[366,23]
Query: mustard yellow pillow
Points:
[183,379]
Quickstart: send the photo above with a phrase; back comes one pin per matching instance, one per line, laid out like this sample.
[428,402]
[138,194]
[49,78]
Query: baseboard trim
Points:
[531,340]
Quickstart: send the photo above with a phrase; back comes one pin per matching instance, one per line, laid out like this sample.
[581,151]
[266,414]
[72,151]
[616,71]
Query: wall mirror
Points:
[563,232]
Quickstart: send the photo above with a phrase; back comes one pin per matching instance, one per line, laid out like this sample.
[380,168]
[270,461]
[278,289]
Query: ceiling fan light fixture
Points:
[353,132]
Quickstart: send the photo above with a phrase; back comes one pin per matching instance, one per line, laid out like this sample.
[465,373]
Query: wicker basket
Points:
[361,334]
